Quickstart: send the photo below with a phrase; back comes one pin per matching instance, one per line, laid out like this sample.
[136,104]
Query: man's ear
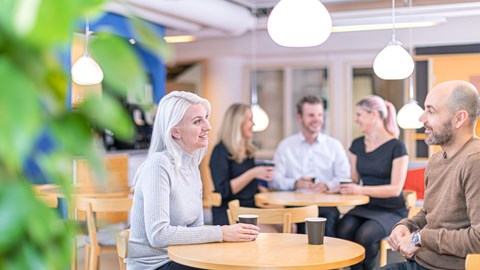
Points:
[460,118]
[299,117]
[176,134]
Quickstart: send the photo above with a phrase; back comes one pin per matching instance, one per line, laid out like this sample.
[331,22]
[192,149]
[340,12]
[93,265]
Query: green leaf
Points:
[20,115]
[13,213]
[72,133]
[150,39]
[109,113]
[121,67]
[55,20]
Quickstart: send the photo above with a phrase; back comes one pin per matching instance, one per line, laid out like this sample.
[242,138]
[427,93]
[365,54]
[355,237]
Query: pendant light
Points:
[299,23]
[86,71]
[408,116]
[393,62]
[260,117]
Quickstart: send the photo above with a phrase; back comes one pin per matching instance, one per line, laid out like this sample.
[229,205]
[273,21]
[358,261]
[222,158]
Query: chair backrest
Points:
[121,239]
[410,197]
[96,205]
[285,216]
[215,199]
[472,262]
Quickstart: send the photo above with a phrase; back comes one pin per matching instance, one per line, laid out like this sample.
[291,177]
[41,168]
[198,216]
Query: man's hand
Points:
[406,246]
[319,188]
[399,232]
[303,183]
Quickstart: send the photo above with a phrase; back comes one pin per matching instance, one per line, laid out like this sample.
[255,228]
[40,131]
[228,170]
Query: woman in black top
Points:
[380,161]
[232,165]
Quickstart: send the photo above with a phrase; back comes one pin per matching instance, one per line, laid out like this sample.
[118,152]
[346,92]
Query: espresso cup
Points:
[248,219]
[315,230]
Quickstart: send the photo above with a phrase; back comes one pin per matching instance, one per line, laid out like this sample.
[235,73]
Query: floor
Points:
[108,261]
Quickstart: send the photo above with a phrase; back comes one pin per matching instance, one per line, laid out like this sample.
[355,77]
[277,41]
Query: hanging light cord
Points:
[254,60]
[411,53]
[87,31]
[393,21]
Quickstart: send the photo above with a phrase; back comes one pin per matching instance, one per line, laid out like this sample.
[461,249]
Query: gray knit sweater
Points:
[167,210]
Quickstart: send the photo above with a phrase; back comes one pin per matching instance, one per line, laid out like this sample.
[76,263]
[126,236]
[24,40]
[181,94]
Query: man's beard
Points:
[442,137]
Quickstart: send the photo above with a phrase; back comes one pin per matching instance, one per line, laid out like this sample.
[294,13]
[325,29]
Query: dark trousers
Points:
[365,232]
[171,265]
[331,214]
[408,265]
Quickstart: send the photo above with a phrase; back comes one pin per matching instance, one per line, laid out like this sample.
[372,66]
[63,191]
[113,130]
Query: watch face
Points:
[416,239]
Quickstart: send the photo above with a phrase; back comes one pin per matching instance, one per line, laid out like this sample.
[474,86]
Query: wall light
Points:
[299,23]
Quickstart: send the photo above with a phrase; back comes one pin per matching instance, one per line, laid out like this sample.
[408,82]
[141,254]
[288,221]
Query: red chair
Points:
[415,181]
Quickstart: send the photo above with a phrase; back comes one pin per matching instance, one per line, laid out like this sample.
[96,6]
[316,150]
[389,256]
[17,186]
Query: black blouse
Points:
[223,170]
[375,169]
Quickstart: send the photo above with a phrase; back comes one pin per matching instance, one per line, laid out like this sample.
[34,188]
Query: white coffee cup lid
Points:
[248,216]
[316,219]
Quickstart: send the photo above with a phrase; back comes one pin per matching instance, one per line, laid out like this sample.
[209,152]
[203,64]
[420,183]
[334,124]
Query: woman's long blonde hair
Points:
[231,133]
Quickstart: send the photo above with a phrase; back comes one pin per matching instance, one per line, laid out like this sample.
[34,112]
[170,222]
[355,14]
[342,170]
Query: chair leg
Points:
[87,256]
[121,263]
[384,246]
[94,258]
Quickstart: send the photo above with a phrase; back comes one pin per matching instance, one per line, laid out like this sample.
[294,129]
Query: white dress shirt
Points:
[325,159]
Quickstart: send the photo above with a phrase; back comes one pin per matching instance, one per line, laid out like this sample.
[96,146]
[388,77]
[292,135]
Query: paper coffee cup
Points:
[315,230]
[248,219]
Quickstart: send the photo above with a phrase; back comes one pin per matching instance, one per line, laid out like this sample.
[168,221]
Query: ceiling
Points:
[226,18]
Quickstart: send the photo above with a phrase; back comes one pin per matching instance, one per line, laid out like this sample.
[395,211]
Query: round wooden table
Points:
[270,251]
[293,198]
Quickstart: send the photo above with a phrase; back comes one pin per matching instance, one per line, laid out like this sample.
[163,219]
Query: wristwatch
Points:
[416,239]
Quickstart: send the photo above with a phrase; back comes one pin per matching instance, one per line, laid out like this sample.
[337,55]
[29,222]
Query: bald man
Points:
[448,226]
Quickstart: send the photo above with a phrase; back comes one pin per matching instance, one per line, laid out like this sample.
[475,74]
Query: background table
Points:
[292,198]
[270,251]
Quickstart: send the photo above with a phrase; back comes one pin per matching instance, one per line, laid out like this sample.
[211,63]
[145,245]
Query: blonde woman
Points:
[167,204]
[232,164]
[380,161]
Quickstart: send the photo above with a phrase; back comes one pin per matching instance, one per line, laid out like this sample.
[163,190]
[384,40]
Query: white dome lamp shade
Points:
[86,71]
[408,116]
[299,23]
[393,62]
[260,118]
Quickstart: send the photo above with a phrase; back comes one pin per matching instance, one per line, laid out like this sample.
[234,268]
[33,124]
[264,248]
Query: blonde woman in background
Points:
[232,162]
[379,160]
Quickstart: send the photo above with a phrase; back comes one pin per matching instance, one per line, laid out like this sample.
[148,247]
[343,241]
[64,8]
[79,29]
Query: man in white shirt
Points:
[310,160]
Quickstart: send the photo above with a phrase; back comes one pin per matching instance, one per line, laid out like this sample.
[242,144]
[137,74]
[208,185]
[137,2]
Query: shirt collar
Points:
[319,138]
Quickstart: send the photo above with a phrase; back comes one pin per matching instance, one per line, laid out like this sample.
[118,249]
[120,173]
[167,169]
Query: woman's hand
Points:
[263,172]
[350,189]
[240,232]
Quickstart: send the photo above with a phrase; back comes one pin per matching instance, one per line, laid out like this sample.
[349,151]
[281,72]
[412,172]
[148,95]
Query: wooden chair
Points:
[215,199]
[410,198]
[472,262]
[122,247]
[100,241]
[285,216]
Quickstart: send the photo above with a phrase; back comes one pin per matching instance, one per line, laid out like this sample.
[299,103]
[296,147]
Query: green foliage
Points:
[32,100]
